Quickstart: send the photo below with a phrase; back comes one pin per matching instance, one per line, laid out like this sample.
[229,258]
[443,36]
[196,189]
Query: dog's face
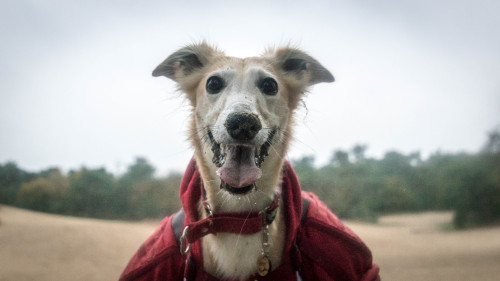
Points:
[242,111]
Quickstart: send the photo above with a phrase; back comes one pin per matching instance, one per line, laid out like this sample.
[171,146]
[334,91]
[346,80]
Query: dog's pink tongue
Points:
[239,169]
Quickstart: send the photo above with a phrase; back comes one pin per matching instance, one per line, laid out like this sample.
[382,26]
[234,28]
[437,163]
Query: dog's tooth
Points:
[257,152]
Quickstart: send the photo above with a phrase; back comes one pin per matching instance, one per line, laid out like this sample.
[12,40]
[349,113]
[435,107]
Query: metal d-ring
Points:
[183,248]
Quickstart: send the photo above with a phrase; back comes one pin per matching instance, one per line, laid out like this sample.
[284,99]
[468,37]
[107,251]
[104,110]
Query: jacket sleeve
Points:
[331,251]
[158,258]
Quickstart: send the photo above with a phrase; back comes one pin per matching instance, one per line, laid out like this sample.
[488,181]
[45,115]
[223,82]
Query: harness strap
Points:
[178,223]
[305,209]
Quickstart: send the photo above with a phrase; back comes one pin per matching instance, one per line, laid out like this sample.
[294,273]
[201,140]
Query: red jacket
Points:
[318,246]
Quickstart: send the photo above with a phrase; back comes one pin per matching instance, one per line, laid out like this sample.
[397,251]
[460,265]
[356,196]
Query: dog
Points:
[240,128]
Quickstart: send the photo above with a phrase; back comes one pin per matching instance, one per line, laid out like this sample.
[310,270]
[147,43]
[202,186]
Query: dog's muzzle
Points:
[239,164]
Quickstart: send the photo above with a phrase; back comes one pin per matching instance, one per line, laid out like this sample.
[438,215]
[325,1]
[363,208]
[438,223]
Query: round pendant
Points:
[263,265]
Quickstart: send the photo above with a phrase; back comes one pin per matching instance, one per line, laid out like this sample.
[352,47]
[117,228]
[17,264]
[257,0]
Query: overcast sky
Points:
[76,86]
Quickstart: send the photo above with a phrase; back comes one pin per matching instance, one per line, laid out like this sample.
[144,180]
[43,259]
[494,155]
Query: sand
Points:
[43,247]
[414,247]
[36,246]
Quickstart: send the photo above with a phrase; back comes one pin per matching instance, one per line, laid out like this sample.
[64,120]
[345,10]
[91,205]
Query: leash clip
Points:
[183,247]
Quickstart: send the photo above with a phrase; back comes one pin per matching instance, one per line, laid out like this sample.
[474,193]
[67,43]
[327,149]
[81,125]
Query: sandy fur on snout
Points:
[228,255]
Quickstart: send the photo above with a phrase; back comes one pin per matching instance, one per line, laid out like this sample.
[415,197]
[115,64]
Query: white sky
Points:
[76,86]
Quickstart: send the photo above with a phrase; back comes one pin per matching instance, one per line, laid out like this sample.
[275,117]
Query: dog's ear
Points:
[185,62]
[304,67]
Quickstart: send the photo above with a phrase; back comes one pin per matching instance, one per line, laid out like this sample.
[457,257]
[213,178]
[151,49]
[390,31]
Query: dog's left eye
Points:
[214,85]
[269,86]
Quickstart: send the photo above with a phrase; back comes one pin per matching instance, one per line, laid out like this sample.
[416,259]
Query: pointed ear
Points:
[296,62]
[185,61]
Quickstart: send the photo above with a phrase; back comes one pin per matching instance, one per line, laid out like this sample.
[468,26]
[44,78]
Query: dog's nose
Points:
[242,126]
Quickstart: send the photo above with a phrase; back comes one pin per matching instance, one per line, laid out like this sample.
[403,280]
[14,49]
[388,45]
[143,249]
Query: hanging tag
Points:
[264,265]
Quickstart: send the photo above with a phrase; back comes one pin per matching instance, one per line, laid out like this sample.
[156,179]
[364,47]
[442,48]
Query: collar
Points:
[241,223]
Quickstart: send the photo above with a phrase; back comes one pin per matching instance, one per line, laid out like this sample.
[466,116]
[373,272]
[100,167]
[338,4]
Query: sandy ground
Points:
[413,247]
[35,246]
[42,247]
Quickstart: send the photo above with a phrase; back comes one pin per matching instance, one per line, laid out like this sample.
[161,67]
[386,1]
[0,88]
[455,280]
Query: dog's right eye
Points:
[214,85]
[269,86]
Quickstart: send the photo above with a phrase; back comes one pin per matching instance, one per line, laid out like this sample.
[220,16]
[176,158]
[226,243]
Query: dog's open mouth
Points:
[239,164]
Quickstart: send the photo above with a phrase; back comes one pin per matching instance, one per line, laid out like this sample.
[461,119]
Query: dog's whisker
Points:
[239,235]
[273,149]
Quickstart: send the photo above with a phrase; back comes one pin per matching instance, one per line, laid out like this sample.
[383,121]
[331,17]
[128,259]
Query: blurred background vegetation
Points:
[352,185]
[136,194]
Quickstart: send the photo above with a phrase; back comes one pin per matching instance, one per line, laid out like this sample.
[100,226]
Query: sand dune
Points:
[413,247]
[36,246]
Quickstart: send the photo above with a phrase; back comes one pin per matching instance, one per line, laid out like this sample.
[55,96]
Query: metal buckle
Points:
[208,208]
[183,248]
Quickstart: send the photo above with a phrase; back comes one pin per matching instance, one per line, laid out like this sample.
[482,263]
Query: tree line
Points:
[351,184]
[137,194]
[357,187]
